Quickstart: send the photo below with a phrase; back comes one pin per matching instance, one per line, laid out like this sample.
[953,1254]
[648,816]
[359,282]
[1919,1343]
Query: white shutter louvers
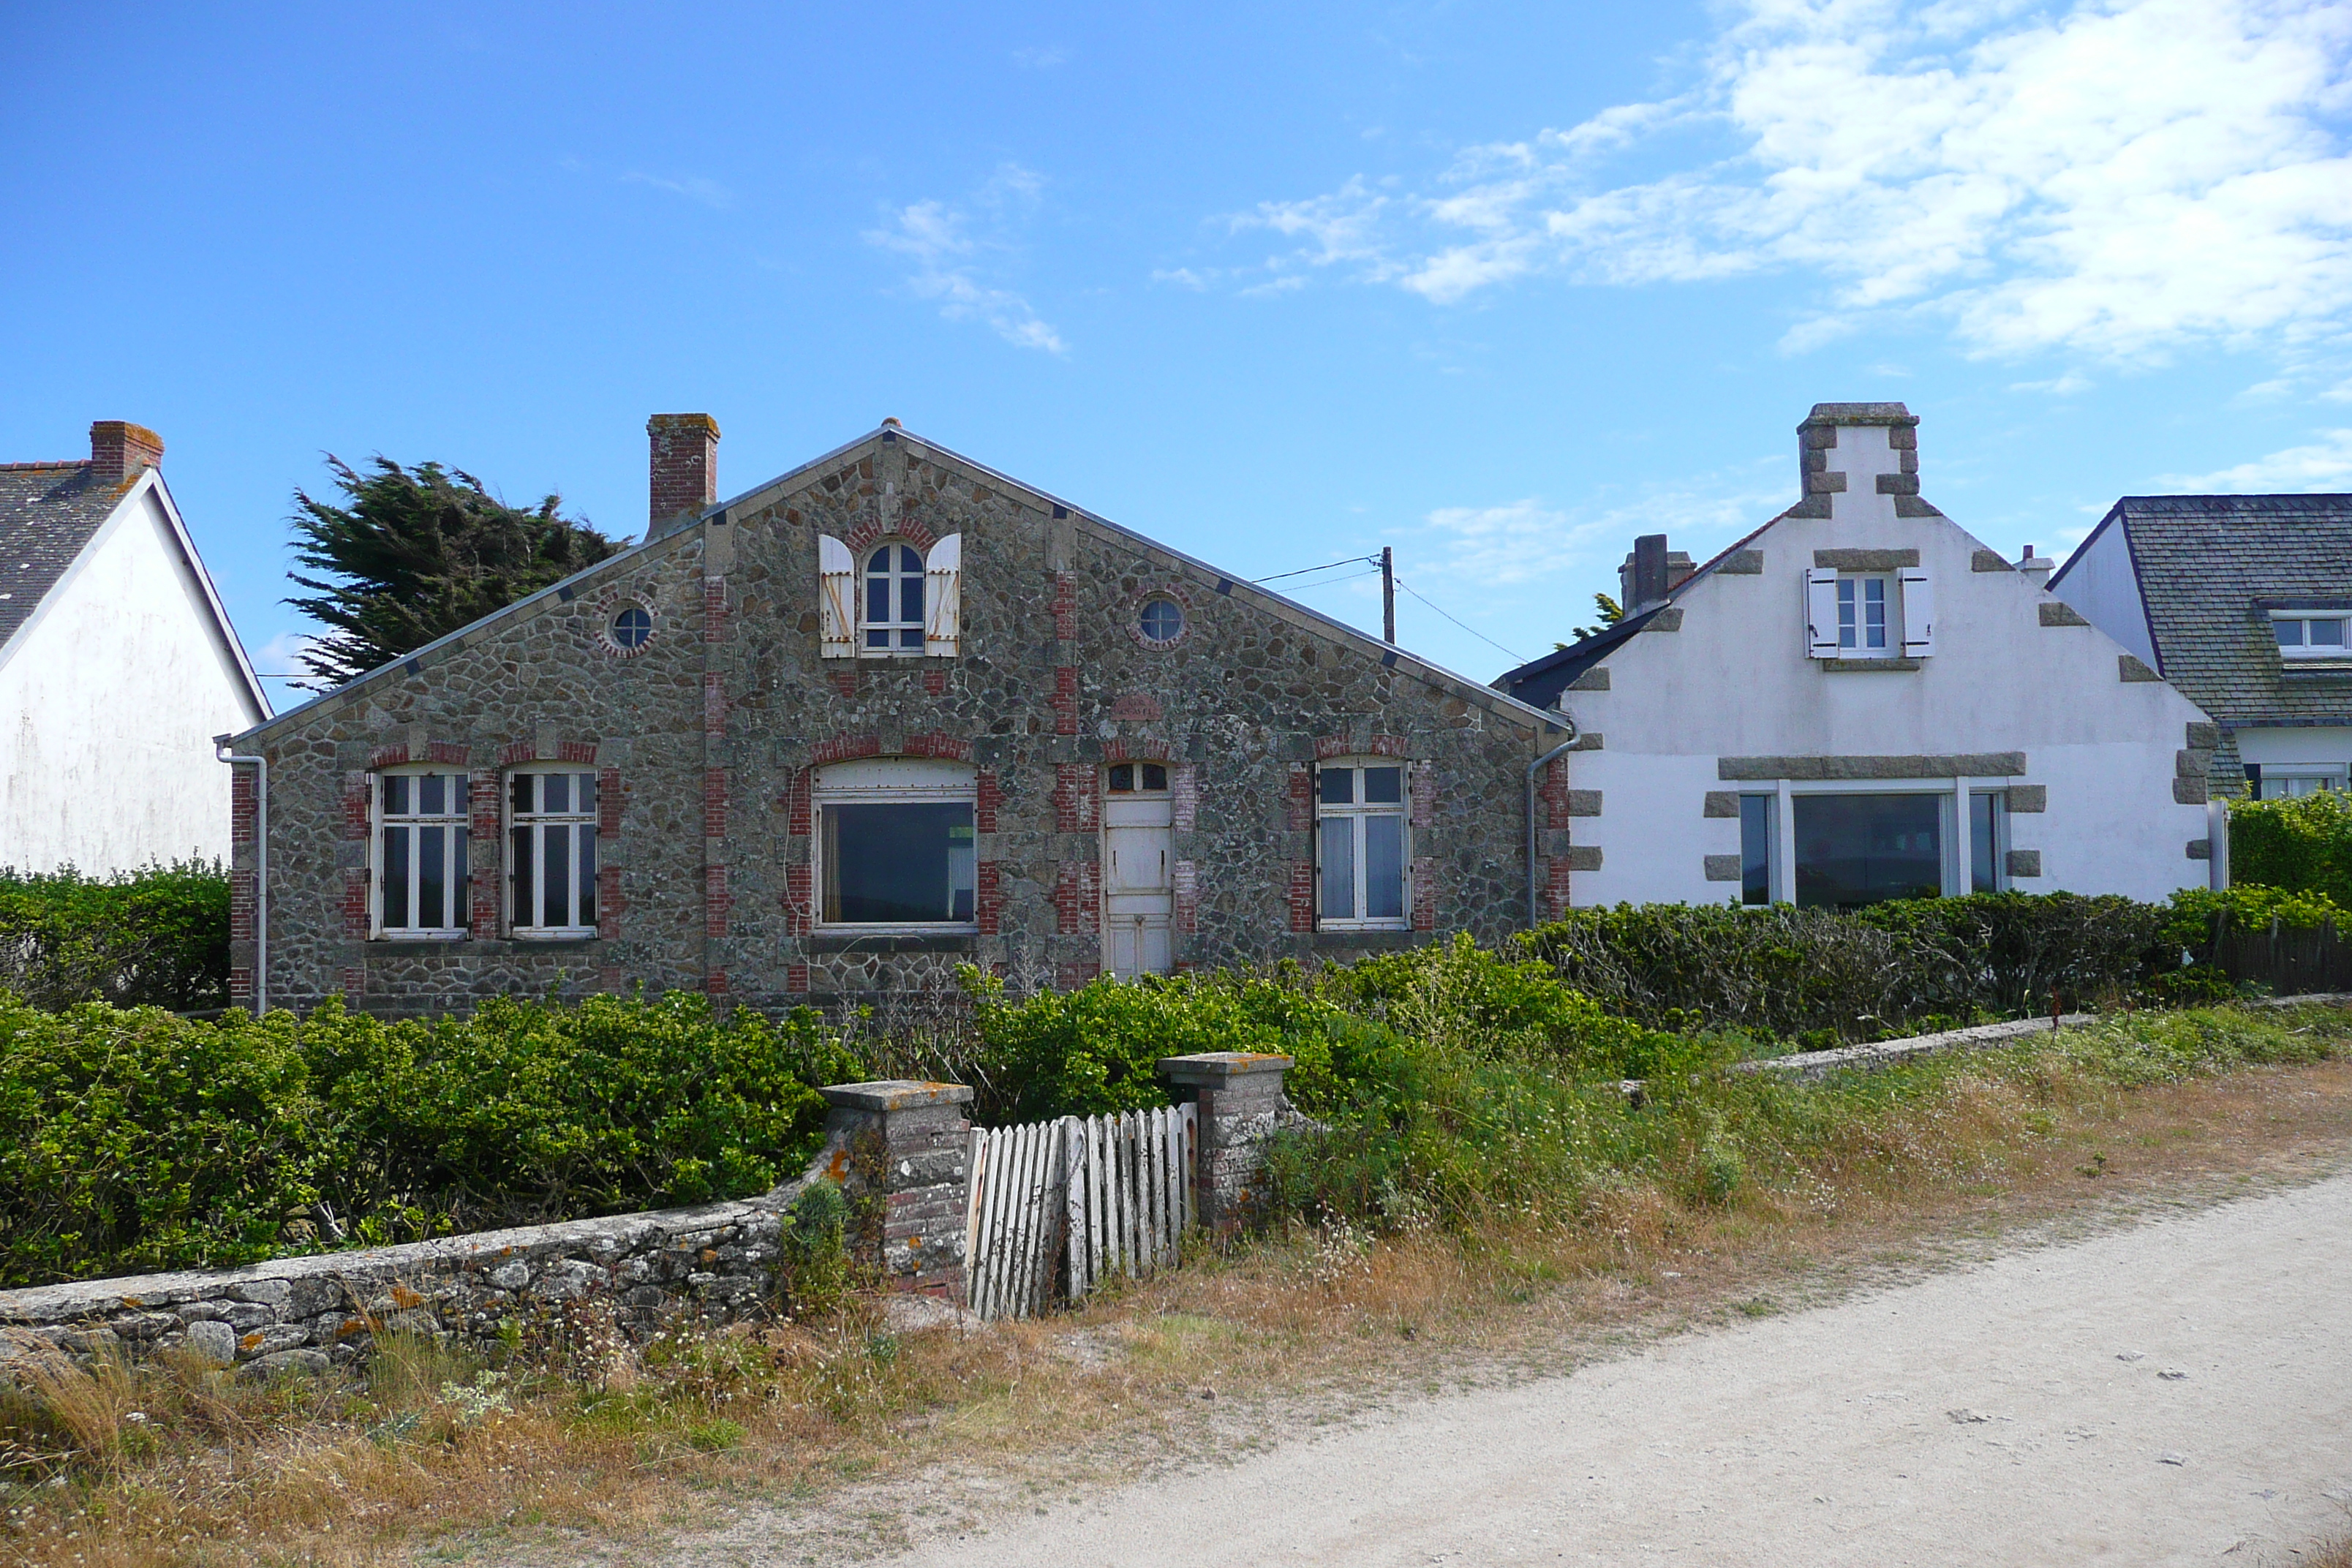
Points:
[1821,612]
[943,597]
[837,597]
[1919,612]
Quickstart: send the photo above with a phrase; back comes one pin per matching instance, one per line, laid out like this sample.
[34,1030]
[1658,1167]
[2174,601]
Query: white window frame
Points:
[543,825]
[2306,649]
[455,847]
[889,781]
[898,631]
[1853,596]
[1953,871]
[2280,774]
[1358,811]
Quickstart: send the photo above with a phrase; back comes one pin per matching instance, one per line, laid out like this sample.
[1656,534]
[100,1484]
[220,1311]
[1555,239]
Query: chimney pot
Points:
[120,451]
[685,467]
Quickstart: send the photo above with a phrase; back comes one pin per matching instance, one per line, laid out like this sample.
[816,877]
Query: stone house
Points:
[1860,701]
[118,665]
[2244,603]
[888,713]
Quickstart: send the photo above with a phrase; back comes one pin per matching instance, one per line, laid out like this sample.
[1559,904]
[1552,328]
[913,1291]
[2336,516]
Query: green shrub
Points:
[1789,973]
[2303,845]
[155,937]
[1096,1050]
[132,1140]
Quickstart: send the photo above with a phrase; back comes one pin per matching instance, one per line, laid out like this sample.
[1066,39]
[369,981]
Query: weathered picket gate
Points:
[1056,1207]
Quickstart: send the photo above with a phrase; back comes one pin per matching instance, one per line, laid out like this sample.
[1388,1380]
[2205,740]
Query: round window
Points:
[1163,620]
[633,627]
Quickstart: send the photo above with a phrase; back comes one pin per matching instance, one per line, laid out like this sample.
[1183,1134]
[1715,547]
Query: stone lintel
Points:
[1897,666]
[1965,764]
[1865,560]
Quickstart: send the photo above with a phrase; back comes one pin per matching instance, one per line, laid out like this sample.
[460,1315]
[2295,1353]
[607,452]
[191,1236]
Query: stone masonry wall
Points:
[705,741]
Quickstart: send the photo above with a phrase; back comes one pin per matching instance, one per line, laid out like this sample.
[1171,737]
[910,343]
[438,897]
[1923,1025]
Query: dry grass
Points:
[571,1453]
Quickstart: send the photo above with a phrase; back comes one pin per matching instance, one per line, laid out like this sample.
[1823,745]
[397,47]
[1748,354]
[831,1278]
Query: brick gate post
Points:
[1241,1104]
[906,1144]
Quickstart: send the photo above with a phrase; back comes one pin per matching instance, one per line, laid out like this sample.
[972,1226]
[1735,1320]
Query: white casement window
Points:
[890,603]
[552,854]
[1988,841]
[896,846]
[420,854]
[2306,634]
[1360,847]
[1866,614]
[2294,781]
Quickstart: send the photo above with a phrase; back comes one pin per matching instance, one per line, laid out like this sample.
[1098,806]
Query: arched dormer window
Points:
[890,611]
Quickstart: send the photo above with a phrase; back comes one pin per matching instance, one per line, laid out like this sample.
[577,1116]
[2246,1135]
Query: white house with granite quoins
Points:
[892,712]
[1859,700]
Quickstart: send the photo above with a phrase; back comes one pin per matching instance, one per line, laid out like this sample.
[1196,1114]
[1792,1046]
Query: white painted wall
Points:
[1735,681]
[109,701]
[2099,581]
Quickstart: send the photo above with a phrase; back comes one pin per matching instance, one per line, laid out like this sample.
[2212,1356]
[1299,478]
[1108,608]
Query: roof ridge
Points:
[57,463]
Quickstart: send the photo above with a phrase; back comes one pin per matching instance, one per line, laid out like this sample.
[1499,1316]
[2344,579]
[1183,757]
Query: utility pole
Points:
[1388,595]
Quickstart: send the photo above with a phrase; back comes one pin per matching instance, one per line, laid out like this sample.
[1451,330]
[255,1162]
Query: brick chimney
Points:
[685,467]
[120,451]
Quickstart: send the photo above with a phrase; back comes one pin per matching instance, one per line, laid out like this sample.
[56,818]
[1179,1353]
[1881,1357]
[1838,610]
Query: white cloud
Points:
[694,188]
[2065,385]
[1039,59]
[951,263]
[2113,180]
[2324,465]
[1529,541]
[282,654]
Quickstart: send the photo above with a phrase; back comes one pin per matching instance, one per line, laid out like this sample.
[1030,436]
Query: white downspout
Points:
[260,871]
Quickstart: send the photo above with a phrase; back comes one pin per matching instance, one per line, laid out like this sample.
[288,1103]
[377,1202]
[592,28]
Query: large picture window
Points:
[1360,845]
[896,844]
[1858,849]
[420,872]
[552,854]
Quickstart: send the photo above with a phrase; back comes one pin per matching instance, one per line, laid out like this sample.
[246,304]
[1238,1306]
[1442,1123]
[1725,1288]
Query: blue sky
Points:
[1497,285]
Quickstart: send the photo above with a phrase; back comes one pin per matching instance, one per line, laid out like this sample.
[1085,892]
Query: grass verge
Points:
[569,1448]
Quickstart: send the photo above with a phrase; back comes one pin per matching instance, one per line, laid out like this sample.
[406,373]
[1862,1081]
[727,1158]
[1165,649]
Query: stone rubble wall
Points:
[709,1264]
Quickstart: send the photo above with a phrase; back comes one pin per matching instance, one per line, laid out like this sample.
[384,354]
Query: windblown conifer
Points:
[417,553]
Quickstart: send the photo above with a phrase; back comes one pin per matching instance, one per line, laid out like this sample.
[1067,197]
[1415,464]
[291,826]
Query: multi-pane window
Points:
[893,621]
[1126,778]
[1862,615]
[1360,845]
[420,872]
[2309,636]
[552,854]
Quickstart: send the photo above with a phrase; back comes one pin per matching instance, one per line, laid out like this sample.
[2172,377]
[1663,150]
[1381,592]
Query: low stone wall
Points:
[898,1150]
[709,1263]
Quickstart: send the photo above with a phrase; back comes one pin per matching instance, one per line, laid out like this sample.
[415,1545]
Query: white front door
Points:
[1138,883]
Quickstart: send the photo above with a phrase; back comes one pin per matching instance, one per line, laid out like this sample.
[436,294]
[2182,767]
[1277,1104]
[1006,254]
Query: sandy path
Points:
[1980,1416]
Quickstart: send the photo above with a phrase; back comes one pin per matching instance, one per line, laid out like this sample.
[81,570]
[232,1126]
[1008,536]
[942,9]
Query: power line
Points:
[1465,625]
[1302,572]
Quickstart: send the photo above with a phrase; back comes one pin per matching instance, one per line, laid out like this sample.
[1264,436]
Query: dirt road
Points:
[2177,1392]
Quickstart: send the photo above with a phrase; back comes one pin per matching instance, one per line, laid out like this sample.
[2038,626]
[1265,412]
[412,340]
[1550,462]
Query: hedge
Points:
[133,1139]
[2303,845]
[157,936]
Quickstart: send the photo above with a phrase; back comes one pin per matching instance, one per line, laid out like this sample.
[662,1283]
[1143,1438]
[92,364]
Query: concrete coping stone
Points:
[895,1094]
[1214,1068]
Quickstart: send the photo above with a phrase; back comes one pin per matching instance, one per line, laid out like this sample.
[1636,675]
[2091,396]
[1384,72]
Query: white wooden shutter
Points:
[1919,612]
[837,597]
[1821,612]
[943,596]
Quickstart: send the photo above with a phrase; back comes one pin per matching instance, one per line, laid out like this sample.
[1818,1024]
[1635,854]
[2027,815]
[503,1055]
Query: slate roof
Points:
[48,513]
[2209,566]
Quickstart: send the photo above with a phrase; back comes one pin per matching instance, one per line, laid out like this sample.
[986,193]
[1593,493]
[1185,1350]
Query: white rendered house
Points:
[118,665]
[1861,702]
